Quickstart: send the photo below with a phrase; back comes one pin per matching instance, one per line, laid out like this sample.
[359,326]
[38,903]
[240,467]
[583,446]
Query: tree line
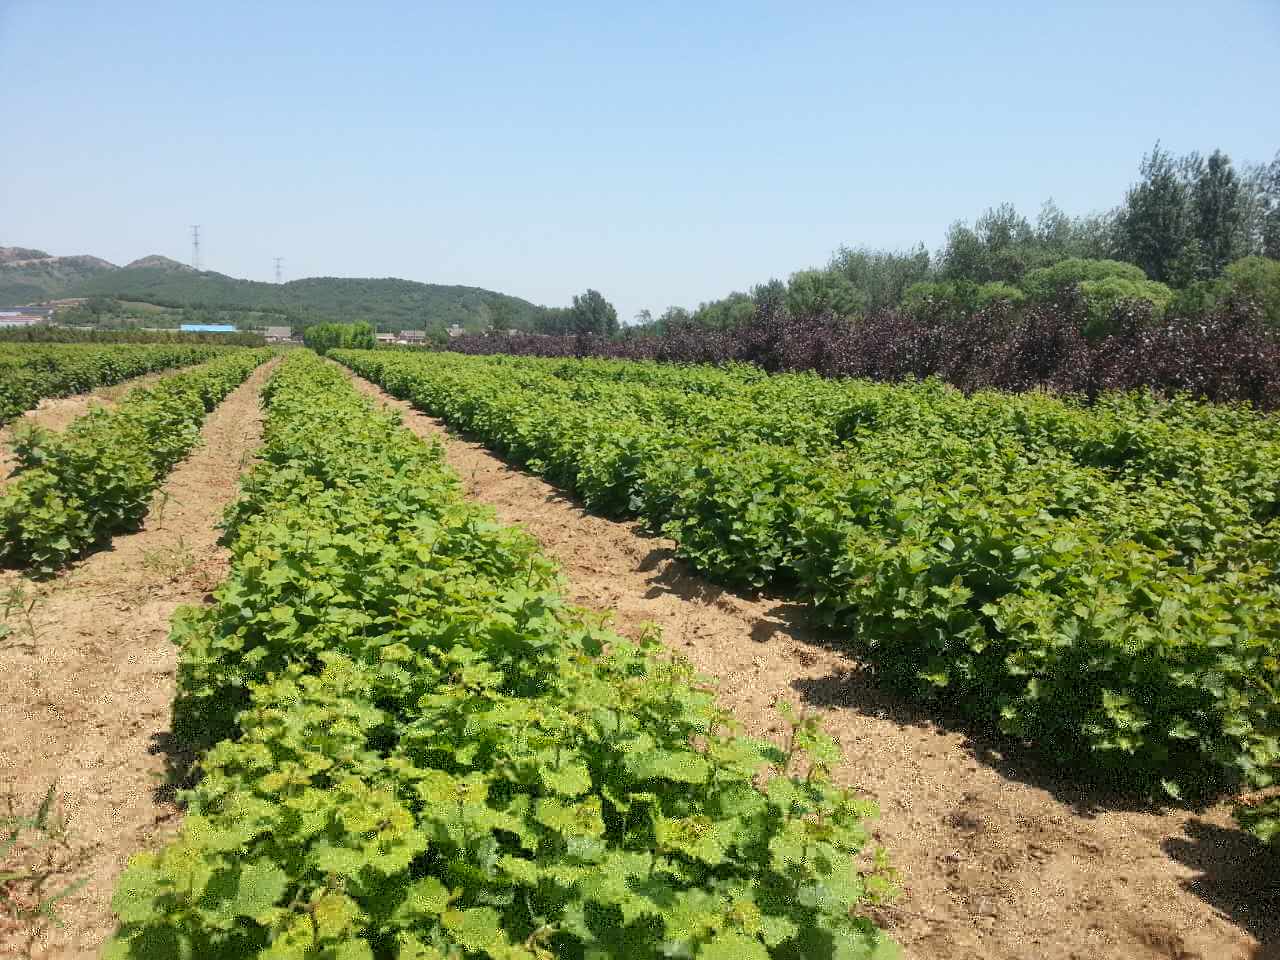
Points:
[1192,233]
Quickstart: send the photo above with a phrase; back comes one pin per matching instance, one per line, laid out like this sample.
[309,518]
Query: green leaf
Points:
[478,930]
[137,890]
[569,780]
[426,898]
[675,765]
[260,887]
[733,946]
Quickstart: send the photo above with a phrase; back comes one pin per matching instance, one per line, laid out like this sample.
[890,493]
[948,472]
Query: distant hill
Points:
[391,304]
[14,254]
[157,262]
[27,275]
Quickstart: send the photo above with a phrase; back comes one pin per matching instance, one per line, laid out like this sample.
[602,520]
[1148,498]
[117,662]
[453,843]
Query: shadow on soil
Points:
[179,766]
[857,687]
[1237,876]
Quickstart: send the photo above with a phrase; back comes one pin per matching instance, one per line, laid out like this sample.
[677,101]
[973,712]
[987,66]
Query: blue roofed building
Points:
[208,328]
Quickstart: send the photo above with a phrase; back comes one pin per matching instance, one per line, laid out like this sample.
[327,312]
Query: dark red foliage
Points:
[1227,355]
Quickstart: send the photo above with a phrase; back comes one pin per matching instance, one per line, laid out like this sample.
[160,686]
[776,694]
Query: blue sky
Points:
[663,153]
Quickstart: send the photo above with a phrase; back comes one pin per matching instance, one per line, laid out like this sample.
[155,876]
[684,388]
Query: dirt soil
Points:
[999,859]
[86,700]
[58,412]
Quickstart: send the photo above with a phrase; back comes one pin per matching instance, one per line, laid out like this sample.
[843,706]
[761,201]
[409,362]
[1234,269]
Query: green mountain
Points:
[389,303]
[27,275]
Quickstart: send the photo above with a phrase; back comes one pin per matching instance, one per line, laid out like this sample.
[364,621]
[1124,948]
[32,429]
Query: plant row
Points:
[1049,570]
[30,373]
[1228,354]
[1227,454]
[75,489]
[322,337]
[57,333]
[418,751]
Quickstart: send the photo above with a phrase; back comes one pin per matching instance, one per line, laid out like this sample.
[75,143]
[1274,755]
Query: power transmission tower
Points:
[278,260]
[195,246]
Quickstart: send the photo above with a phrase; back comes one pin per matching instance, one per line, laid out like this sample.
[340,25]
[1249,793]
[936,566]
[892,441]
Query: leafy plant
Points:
[1099,580]
[1229,353]
[76,488]
[31,372]
[323,337]
[415,749]
[18,599]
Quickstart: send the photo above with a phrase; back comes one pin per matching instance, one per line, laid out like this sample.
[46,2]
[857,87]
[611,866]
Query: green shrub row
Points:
[322,337]
[426,754]
[31,372]
[1048,571]
[77,488]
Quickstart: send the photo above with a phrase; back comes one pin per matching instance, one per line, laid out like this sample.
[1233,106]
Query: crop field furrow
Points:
[1046,576]
[415,748]
[59,413]
[30,373]
[87,678]
[1026,851]
[75,488]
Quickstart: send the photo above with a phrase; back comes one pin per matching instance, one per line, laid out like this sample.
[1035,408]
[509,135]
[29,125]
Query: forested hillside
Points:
[390,304]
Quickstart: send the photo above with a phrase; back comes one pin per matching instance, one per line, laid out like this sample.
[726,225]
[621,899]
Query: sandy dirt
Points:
[58,412]
[86,701]
[999,859]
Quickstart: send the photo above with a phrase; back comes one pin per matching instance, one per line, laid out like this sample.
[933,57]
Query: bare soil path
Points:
[999,860]
[86,701]
[57,413]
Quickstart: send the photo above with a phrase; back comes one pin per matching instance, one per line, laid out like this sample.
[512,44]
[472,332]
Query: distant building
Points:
[208,328]
[385,337]
[455,330]
[25,316]
[413,336]
[279,334]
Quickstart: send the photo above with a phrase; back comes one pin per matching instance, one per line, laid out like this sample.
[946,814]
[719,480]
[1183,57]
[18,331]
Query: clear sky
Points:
[664,153]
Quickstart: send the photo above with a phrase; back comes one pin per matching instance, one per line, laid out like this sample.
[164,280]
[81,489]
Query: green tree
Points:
[1094,236]
[881,276]
[592,313]
[1153,228]
[673,317]
[1048,282]
[1270,204]
[1250,278]
[952,299]
[1060,237]
[725,313]
[501,317]
[1216,201]
[1102,297]
[814,292]
[1104,285]
[323,337]
[553,321]
[769,296]
[1000,247]
[1257,278]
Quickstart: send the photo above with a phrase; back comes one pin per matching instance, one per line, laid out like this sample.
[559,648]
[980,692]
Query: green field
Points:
[1101,581]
